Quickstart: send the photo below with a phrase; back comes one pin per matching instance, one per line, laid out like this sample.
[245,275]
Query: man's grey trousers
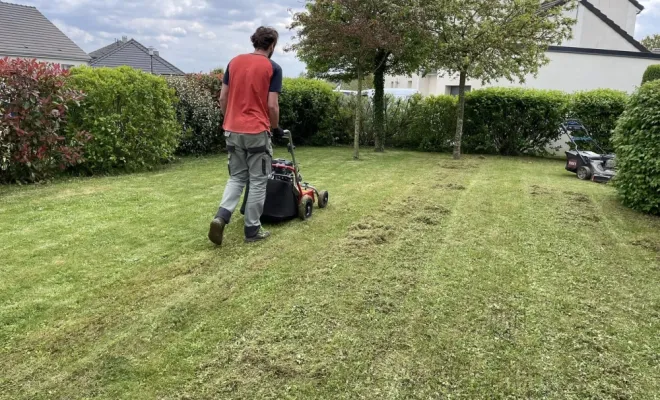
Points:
[249,160]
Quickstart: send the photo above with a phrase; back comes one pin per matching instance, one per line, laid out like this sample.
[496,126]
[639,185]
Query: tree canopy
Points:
[339,39]
[493,40]
[652,42]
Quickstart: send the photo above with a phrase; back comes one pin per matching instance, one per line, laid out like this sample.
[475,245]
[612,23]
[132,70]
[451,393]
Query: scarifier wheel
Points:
[305,208]
[323,199]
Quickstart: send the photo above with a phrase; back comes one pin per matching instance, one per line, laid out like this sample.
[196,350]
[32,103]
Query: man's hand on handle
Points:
[277,133]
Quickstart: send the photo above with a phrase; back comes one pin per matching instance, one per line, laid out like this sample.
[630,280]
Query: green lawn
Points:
[425,278]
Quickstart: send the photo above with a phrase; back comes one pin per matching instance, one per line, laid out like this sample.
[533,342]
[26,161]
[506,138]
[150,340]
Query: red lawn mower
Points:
[287,196]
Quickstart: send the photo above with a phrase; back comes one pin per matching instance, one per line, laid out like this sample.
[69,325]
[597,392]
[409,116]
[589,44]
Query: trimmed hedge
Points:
[512,121]
[310,109]
[599,111]
[199,115]
[428,124]
[637,144]
[33,112]
[652,73]
[130,115]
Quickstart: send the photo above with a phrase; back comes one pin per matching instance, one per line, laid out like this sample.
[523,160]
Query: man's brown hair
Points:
[264,37]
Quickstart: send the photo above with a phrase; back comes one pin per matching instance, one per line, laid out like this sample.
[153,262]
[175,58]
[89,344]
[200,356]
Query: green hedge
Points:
[512,121]
[637,144]
[429,124]
[199,115]
[130,115]
[311,110]
[599,111]
[652,73]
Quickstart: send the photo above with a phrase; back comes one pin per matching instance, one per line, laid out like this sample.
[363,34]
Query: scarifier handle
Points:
[288,135]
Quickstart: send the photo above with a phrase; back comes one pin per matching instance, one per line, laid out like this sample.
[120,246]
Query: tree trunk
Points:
[379,102]
[358,117]
[460,114]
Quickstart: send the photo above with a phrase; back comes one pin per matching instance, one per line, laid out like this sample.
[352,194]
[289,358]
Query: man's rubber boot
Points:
[217,230]
[261,235]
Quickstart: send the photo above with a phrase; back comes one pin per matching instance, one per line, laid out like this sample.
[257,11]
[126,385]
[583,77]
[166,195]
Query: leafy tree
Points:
[347,39]
[652,42]
[490,40]
[652,73]
[331,44]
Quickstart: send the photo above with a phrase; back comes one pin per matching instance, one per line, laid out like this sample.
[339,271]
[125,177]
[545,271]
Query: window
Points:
[67,67]
[410,84]
[453,90]
[392,83]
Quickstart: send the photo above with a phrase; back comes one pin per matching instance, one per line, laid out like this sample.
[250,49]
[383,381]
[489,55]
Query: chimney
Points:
[124,39]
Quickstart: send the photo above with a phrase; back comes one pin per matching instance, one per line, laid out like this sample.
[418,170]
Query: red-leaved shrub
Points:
[33,113]
[211,81]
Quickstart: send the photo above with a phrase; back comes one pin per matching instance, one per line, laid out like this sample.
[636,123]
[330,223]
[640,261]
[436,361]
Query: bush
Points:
[130,115]
[512,121]
[599,111]
[637,143]
[199,116]
[428,124]
[33,113]
[311,110]
[652,73]
[212,82]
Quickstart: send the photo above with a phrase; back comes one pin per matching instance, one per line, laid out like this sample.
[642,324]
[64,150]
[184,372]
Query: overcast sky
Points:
[198,35]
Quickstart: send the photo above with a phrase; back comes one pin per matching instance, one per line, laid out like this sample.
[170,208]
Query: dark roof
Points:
[546,5]
[25,32]
[637,4]
[132,54]
[604,52]
[105,50]
[614,26]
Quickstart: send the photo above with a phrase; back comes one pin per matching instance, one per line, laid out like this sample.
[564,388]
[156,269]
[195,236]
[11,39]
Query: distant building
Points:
[602,54]
[133,54]
[27,33]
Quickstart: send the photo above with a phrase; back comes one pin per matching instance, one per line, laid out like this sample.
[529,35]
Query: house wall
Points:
[55,61]
[568,72]
[596,34]
[578,15]
[622,12]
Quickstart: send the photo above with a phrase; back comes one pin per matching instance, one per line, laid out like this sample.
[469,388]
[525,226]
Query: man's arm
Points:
[224,93]
[224,96]
[274,109]
[274,96]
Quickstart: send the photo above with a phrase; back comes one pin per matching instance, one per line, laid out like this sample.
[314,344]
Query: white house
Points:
[27,33]
[602,54]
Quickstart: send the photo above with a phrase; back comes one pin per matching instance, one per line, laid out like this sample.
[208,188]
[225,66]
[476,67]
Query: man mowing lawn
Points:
[250,103]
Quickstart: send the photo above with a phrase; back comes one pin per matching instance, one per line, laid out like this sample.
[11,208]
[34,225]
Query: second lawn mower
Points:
[287,196]
[587,165]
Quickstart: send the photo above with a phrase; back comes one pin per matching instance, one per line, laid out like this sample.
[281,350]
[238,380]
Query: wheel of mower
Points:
[323,199]
[305,208]
[584,173]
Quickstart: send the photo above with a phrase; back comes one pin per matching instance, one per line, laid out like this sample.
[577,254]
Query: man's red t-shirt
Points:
[250,78]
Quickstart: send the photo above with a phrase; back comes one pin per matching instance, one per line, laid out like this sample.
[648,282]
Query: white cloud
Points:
[196,27]
[648,22]
[75,34]
[208,35]
[179,31]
